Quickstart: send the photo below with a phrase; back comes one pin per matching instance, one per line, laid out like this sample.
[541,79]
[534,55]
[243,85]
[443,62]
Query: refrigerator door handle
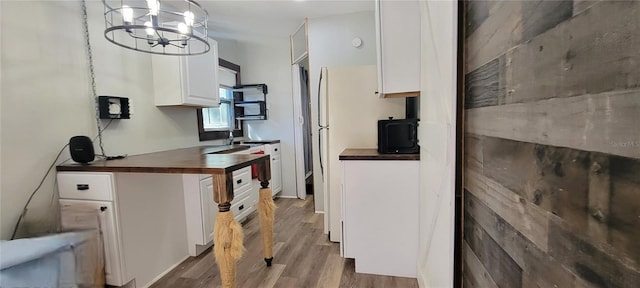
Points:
[320,150]
[319,99]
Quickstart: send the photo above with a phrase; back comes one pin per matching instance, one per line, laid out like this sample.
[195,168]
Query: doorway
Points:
[302,111]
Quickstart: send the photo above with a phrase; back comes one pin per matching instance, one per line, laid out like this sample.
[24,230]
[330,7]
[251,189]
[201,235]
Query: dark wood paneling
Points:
[605,122]
[554,178]
[540,16]
[485,85]
[476,12]
[475,276]
[595,263]
[624,221]
[593,52]
[539,270]
[473,152]
[528,218]
[502,268]
[501,31]
[553,87]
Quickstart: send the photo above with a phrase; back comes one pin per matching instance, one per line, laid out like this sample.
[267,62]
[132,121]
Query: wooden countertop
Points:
[372,154]
[194,160]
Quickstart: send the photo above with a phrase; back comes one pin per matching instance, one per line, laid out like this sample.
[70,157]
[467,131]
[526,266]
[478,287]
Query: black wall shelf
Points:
[250,102]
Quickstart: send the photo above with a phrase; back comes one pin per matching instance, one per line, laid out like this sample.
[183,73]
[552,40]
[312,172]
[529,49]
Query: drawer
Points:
[241,178]
[273,149]
[241,193]
[240,208]
[86,186]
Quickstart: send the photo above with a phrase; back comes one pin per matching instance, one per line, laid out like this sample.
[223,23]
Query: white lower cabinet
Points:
[113,260]
[86,195]
[142,220]
[276,167]
[276,174]
[380,216]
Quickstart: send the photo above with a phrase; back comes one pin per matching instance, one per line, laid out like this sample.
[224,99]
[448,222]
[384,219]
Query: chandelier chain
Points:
[94,93]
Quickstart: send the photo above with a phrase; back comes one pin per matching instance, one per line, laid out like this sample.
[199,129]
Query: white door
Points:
[298,131]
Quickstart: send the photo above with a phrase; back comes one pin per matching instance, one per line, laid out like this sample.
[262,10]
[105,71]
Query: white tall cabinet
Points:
[398,40]
[187,80]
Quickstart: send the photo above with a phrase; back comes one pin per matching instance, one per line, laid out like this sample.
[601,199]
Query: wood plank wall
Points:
[552,144]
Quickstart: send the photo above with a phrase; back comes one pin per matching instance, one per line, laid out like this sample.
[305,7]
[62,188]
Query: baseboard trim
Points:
[319,212]
[288,197]
[154,280]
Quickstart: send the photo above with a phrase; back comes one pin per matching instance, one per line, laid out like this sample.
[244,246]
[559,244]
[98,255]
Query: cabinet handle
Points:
[241,207]
[103,208]
[239,181]
[82,187]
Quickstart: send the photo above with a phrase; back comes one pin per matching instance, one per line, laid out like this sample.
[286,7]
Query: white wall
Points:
[268,60]
[437,143]
[228,50]
[46,99]
[330,46]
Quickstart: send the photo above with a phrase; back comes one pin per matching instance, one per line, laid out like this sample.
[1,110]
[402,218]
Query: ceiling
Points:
[246,20]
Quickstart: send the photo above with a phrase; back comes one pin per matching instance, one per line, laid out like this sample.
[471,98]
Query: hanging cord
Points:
[94,94]
[24,209]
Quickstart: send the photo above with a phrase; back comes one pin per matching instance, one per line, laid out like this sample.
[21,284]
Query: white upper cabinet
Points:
[398,39]
[187,80]
[299,43]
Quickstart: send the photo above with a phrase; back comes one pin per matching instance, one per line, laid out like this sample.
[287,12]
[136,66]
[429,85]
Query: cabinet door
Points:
[209,208]
[187,80]
[276,174]
[398,35]
[113,268]
[201,78]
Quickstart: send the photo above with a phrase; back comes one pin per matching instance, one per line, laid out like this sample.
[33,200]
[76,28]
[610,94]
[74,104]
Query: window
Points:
[220,118]
[215,123]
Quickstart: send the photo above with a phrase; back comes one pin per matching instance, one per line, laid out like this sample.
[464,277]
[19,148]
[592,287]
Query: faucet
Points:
[230,137]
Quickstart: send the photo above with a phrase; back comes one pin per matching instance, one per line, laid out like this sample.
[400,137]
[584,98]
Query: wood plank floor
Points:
[303,257]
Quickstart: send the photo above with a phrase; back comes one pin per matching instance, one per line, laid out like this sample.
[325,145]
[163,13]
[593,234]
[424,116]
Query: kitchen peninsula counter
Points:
[142,199]
[372,154]
[193,160]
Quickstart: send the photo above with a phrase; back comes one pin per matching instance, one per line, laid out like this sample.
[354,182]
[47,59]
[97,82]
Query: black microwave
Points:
[398,136]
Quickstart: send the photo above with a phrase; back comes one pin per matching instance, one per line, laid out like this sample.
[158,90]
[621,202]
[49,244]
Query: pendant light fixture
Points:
[176,27]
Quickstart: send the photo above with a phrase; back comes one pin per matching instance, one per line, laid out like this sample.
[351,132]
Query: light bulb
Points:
[188,18]
[183,28]
[127,14]
[150,31]
[154,7]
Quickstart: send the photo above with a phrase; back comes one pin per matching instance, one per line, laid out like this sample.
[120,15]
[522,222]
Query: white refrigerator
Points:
[349,110]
